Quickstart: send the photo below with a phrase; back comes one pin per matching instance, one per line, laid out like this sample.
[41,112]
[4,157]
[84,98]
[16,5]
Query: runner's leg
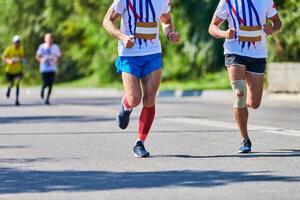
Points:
[255,86]
[241,114]
[18,79]
[132,88]
[50,82]
[150,85]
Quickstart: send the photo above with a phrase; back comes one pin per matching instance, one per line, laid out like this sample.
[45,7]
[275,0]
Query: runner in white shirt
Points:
[245,50]
[140,57]
[48,55]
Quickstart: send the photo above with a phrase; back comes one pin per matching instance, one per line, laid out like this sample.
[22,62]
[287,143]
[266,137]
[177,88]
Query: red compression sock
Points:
[145,122]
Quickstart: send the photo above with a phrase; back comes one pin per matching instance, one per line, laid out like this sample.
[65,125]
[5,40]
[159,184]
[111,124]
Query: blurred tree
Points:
[88,49]
[285,46]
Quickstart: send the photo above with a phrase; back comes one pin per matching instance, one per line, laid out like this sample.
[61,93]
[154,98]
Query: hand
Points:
[10,61]
[230,34]
[174,36]
[128,41]
[55,60]
[268,29]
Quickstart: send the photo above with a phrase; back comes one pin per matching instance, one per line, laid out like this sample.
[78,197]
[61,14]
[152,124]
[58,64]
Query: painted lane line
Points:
[228,125]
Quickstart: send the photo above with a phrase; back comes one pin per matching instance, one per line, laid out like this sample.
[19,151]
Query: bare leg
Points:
[150,86]
[132,87]
[255,87]
[241,115]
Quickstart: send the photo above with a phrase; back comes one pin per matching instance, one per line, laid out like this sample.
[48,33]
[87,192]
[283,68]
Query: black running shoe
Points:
[17,103]
[123,117]
[245,146]
[140,151]
[47,102]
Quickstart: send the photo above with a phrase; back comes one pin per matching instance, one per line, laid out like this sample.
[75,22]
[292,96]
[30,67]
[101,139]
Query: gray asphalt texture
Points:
[73,149]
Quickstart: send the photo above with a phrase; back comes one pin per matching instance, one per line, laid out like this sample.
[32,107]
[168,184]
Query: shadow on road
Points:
[275,153]
[56,119]
[23,181]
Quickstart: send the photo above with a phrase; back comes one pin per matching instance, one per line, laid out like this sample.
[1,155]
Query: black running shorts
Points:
[253,65]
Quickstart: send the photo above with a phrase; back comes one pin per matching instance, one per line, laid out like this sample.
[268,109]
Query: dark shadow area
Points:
[14,181]
[279,154]
[53,119]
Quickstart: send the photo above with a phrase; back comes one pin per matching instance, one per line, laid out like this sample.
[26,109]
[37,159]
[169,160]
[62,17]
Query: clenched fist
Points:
[230,34]
[174,36]
[128,41]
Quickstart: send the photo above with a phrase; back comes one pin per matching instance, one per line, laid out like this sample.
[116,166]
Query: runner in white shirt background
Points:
[48,55]
[245,49]
[140,57]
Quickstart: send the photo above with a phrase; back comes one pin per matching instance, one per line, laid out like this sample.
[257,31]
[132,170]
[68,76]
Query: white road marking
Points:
[228,125]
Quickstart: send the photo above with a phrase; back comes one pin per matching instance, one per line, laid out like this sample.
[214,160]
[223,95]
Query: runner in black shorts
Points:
[13,58]
[245,52]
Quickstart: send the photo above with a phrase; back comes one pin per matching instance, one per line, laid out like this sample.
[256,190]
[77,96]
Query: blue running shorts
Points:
[139,66]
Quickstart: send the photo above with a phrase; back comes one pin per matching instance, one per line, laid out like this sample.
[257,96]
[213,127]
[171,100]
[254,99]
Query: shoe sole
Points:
[244,152]
[138,156]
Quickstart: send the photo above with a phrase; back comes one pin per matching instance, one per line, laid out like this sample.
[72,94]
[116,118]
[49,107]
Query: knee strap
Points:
[239,94]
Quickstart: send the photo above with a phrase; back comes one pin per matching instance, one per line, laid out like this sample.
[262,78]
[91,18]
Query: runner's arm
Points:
[109,25]
[6,60]
[169,28]
[215,30]
[276,25]
[38,58]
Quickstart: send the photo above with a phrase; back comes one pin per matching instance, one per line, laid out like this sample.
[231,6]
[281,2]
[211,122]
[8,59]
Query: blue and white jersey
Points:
[49,55]
[244,16]
[140,18]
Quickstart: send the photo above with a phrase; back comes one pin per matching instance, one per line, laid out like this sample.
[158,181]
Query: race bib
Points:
[250,34]
[146,30]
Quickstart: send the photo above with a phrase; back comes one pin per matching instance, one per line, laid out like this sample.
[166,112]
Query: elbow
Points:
[210,32]
[104,22]
[279,26]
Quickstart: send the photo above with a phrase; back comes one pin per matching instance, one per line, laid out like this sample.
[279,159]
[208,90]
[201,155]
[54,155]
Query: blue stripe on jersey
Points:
[232,16]
[255,12]
[129,17]
[152,10]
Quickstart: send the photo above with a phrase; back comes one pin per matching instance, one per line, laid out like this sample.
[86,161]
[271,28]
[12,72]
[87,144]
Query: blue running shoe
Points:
[123,117]
[140,151]
[245,146]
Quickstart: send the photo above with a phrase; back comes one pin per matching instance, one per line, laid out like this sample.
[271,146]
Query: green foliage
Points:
[89,50]
[285,46]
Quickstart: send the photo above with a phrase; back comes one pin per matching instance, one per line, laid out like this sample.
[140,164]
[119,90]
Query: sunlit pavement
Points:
[74,150]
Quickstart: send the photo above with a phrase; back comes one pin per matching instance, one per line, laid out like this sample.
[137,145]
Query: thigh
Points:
[236,72]
[255,86]
[18,77]
[51,77]
[151,83]
[132,86]
[44,77]
[9,77]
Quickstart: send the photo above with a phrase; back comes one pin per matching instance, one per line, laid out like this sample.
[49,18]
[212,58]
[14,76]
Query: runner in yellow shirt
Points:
[13,57]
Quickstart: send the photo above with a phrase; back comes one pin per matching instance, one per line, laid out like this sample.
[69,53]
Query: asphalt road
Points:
[74,150]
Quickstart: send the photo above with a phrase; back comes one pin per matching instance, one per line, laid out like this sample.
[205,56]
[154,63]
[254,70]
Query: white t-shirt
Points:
[134,11]
[237,13]
[48,55]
